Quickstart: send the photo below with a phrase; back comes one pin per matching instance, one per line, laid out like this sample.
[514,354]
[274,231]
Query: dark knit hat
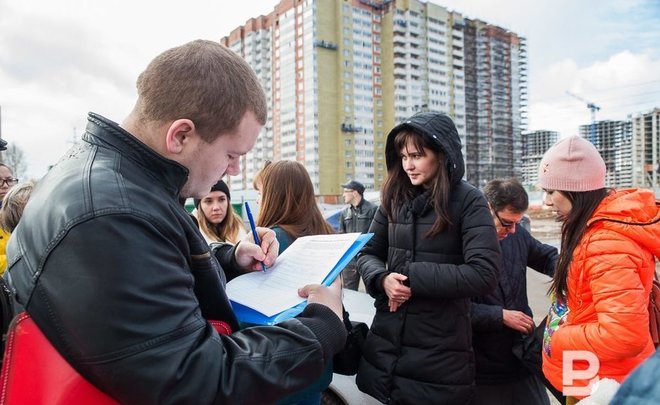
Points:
[219,186]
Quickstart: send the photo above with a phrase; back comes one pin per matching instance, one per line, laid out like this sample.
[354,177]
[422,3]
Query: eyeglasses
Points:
[505,224]
[10,181]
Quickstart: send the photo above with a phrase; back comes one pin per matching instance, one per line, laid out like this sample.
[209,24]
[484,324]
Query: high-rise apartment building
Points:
[613,139]
[496,95]
[340,74]
[534,145]
[646,149]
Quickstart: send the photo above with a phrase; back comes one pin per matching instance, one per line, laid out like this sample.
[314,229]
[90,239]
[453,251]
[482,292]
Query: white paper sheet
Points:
[307,261]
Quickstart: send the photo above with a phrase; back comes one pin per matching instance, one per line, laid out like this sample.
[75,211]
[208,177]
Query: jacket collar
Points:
[102,131]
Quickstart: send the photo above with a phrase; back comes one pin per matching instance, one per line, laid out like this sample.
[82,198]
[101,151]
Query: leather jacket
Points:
[357,219]
[117,276]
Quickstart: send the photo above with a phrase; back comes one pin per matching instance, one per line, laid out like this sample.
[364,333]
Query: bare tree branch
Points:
[15,158]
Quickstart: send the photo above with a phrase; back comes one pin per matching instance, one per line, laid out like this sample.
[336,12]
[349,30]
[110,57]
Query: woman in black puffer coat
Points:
[434,247]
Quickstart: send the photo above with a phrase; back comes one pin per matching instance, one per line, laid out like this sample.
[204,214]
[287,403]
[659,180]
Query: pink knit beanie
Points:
[572,164]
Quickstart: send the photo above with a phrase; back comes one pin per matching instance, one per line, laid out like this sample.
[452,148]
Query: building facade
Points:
[340,74]
[613,139]
[646,149]
[534,145]
[496,83]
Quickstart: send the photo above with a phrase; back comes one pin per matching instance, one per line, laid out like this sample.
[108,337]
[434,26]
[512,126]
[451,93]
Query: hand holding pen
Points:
[253,227]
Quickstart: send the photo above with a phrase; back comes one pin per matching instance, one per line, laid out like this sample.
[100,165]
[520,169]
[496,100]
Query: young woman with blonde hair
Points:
[217,219]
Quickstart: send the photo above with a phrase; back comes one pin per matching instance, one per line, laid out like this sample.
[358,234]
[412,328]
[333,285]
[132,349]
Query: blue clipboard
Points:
[251,316]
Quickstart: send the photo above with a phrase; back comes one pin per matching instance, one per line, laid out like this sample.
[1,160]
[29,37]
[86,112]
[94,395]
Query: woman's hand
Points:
[396,291]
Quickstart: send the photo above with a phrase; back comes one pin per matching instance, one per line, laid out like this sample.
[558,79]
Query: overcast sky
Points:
[59,60]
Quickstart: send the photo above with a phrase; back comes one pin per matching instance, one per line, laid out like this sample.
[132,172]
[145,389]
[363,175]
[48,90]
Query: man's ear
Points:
[179,135]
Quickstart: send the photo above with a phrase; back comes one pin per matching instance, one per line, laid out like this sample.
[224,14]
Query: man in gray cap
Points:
[356,217]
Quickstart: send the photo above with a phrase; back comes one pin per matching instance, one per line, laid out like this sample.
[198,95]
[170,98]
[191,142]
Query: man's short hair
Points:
[502,193]
[202,81]
[354,185]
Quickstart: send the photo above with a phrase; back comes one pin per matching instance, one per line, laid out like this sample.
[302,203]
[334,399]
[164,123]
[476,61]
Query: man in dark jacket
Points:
[356,217]
[118,277]
[502,317]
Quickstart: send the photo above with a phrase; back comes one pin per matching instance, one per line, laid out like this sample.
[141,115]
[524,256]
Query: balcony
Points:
[325,44]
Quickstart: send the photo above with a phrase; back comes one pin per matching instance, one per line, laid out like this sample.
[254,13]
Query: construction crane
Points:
[593,108]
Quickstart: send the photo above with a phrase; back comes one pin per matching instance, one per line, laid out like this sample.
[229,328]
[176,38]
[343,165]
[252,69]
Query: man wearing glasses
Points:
[502,318]
[7,181]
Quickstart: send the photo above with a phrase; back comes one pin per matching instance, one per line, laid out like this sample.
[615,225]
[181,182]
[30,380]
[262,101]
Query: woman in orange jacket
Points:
[599,321]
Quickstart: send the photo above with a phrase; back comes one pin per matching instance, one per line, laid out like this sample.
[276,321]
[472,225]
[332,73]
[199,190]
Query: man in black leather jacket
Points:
[116,274]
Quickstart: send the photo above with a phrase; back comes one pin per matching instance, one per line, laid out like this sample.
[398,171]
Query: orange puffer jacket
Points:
[608,286]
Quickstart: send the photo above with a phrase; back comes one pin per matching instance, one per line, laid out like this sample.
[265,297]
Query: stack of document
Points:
[266,298]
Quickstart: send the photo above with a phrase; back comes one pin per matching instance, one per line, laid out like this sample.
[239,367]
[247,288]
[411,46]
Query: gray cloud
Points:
[58,53]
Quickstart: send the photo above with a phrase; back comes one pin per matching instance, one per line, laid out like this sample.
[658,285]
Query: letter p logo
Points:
[579,365]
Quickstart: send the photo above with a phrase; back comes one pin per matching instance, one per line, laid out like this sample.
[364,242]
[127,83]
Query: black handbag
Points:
[528,350]
[347,361]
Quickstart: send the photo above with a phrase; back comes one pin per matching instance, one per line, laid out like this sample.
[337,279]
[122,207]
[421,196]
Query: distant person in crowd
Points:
[288,206]
[7,181]
[356,217]
[217,219]
[605,268]
[120,280]
[13,204]
[434,247]
[501,318]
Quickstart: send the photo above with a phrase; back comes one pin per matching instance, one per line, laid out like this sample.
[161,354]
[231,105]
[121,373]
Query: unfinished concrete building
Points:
[496,101]
[534,145]
[613,139]
[646,149]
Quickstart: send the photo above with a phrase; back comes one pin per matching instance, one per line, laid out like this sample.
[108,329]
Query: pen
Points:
[254,230]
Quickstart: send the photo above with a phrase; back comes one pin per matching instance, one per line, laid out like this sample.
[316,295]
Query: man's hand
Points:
[250,256]
[517,320]
[328,296]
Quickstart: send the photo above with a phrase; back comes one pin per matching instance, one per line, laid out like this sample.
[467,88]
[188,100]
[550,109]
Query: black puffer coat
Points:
[422,353]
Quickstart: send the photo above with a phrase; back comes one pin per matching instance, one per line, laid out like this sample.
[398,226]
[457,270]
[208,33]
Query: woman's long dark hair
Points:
[584,204]
[397,188]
